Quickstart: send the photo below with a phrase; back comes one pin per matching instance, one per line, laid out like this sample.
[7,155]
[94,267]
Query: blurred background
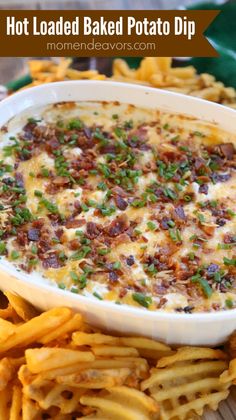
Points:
[222,35]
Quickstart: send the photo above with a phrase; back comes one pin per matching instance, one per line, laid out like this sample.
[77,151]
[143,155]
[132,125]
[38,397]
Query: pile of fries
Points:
[55,366]
[153,71]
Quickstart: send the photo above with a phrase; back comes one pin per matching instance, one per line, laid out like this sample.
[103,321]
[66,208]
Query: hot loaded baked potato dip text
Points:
[124,204]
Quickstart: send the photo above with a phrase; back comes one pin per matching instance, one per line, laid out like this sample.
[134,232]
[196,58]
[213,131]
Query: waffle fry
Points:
[121,403]
[229,375]
[232,346]
[187,382]
[34,329]
[145,347]
[23,309]
[46,358]
[62,331]
[60,368]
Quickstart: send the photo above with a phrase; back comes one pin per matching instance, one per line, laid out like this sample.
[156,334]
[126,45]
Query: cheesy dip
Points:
[130,205]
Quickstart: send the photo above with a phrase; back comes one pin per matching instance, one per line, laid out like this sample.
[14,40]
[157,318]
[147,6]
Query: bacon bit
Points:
[39,223]
[212,268]
[203,179]
[92,230]
[77,205]
[43,246]
[57,183]
[160,289]
[229,239]
[141,133]
[61,180]
[123,292]
[209,230]
[51,261]
[123,238]
[119,191]
[164,223]
[74,223]
[22,238]
[130,260]
[169,249]
[216,177]
[74,244]
[8,181]
[149,167]
[118,226]
[216,306]
[108,148]
[4,129]
[84,161]
[28,130]
[19,180]
[227,150]
[179,212]
[199,163]
[64,105]
[33,234]
[182,271]
[59,232]
[87,132]
[162,302]
[203,189]
[120,202]
[52,144]
[84,142]
[113,276]
[220,221]
[170,155]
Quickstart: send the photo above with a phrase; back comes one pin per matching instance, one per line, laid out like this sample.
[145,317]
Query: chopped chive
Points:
[2,248]
[151,225]
[229,303]
[231,212]
[84,207]
[14,255]
[175,235]
[206,288]
[74,276]
[75,124]
[74,290]
[38,193]
[104,251]
[198,134]
[45,172]
[97,295]
[142,299]
[228,261]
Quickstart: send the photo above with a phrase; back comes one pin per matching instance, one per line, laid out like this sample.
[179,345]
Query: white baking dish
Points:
[174,328]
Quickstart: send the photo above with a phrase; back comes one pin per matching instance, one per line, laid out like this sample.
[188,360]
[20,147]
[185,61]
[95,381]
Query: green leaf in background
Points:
[222,35]
[19,83]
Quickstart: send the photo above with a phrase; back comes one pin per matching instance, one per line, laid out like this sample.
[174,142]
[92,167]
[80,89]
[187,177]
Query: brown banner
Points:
[105,33]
